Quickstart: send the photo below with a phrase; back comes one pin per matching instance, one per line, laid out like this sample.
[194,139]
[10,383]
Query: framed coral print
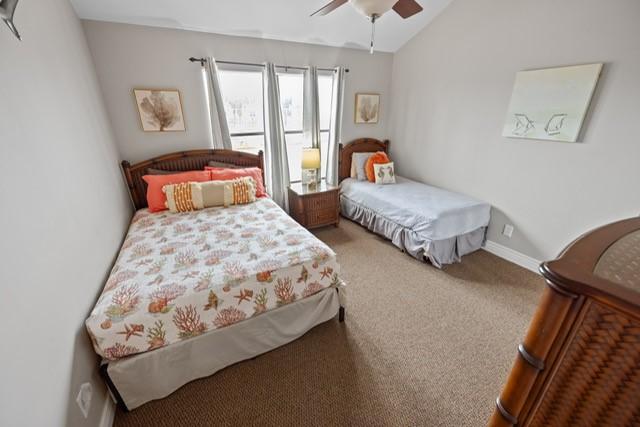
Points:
[160,110]
[367,108]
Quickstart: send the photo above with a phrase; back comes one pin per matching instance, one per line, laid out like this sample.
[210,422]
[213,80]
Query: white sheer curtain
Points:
[335,132]
[277,167]
[311,109]
[219,126]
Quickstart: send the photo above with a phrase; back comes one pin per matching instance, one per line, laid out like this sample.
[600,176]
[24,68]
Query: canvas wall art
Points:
[551,104]
[367,107]
[160,110]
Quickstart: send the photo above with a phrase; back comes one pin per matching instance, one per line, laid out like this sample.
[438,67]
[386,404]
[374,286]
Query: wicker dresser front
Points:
[579,364]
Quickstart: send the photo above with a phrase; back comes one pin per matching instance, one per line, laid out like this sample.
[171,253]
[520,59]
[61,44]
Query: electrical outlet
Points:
[507,230]
[84,398]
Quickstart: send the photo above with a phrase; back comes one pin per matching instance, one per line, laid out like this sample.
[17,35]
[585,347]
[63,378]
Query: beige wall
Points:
[451,88]
[64,213]
[129,56]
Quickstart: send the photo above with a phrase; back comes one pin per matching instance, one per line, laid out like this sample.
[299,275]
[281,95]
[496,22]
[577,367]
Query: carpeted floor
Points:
[419,347]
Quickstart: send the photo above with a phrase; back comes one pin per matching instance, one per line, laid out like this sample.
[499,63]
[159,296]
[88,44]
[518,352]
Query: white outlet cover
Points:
[84,398]
[507,230]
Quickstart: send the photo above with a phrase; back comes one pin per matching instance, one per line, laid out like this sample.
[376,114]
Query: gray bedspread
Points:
[423,220]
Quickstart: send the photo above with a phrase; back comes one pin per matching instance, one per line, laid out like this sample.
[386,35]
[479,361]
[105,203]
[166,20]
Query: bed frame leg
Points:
[341,314]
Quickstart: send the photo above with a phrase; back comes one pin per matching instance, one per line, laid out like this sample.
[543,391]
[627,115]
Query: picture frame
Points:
[551,103]
[367,108]
[159,110]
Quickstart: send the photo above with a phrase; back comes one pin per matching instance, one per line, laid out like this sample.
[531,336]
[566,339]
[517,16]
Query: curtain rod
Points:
[202,61]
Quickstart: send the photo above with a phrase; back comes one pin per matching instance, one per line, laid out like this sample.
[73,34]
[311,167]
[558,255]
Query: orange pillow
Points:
[156,199]
[226,174]
[377,157]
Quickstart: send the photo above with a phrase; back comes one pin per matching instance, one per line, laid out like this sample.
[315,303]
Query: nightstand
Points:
[314,207]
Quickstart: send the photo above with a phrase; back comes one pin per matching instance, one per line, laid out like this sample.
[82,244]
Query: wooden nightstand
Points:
[314,207]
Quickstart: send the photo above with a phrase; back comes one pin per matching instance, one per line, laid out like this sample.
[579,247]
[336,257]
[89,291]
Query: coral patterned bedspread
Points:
[180,275]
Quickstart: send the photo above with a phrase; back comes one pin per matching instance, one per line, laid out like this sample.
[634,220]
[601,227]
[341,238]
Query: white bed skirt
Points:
[156,374]
[439,252]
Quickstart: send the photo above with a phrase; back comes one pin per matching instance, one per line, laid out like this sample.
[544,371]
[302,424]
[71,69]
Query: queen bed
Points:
[191,293]
[427,222]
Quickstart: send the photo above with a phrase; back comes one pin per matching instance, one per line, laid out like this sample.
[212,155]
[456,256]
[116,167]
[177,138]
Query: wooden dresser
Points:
[316,206]
[579,364]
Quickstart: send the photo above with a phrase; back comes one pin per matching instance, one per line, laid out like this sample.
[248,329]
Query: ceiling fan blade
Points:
[407,8]
[330,7]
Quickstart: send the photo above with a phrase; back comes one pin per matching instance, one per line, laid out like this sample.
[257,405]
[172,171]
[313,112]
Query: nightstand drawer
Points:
[321,201]
[322,216]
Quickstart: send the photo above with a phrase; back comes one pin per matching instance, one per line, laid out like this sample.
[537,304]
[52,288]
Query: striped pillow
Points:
[187,197]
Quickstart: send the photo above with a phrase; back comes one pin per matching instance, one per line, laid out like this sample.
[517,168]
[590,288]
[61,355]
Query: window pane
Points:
[325,93]
[291,93]
[242,96]
[250,144]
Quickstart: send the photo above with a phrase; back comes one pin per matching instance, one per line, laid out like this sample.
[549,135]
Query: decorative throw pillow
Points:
[156,198]
[378,157]
[384,173]
[180,197]
[353,173]
[186,197]
[360,161]
[225,174]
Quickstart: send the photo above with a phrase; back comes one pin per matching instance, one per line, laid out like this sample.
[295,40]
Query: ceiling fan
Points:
[374,9]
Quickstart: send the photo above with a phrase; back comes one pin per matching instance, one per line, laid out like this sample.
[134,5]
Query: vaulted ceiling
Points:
[270,19]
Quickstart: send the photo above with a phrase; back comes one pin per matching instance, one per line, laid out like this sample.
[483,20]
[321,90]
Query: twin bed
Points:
[191,293]
[427,222]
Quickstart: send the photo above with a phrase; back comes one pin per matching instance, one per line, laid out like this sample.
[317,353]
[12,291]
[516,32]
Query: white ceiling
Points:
[270,19]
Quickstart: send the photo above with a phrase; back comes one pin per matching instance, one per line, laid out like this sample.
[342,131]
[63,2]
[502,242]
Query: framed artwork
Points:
[551,104]
[160,110]
[367,108]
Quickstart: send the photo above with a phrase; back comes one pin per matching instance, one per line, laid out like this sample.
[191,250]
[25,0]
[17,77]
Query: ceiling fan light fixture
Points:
[373,7]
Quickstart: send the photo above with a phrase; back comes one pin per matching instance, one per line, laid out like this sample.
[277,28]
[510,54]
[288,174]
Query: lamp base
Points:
[310,177]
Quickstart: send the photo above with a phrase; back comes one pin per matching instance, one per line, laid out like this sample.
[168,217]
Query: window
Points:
[242,93]
[291,102]
[242,96]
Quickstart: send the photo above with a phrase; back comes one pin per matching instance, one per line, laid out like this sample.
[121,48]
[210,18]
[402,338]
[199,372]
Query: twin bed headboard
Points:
[365,145]
[183,161]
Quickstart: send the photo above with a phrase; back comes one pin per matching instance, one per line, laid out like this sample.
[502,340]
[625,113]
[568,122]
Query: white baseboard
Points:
[108,412]
[510,255]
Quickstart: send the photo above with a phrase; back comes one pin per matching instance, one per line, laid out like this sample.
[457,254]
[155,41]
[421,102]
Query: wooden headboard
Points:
[364,145]
[183,161]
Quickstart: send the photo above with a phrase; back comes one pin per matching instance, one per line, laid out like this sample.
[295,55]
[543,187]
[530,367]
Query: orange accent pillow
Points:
[156,199]
[377,157]
[227,174]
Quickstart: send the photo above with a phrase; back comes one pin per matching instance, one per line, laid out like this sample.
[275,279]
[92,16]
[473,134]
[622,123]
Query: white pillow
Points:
[360,161]
[384,173]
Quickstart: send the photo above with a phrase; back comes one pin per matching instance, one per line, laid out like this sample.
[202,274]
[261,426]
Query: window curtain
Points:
[277,168]
[219,126]
[335,132]
[311,109]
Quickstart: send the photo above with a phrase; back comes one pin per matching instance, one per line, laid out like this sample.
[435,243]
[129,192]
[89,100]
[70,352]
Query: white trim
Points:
[108,412]
[510,255]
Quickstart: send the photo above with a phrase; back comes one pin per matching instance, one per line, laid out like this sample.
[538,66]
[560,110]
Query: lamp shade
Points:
[311,158]
[373,7]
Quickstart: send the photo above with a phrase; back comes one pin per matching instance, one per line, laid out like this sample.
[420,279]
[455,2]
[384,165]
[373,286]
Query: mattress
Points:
[181,275]
[425,221]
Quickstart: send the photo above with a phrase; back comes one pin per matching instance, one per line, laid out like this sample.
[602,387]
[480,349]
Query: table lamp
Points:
[310,166]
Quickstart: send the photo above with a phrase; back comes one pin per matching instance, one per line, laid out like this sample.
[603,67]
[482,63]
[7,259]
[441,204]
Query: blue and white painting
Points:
[551,103]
